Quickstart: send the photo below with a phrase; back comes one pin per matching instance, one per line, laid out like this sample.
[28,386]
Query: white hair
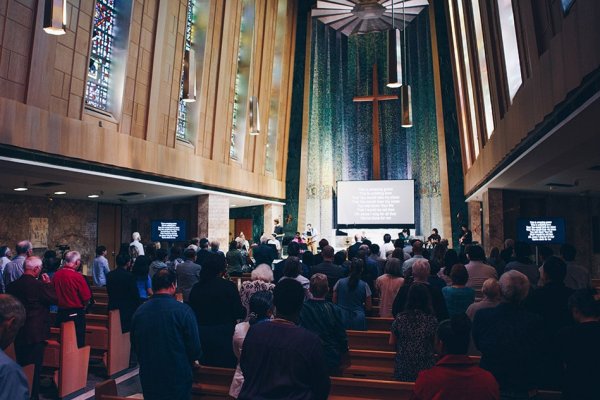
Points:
[262,273]
[72,257]
[514,286]
[32,262]
[265,238]
[136,236]
[421,269]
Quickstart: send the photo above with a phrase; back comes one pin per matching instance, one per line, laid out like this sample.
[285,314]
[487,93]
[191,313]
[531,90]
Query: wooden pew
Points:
[103,332]
[369,340]
[212,383]
[379,323]
[71,363]
[354,388]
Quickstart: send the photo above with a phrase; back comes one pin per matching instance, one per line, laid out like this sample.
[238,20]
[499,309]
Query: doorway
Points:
[109,230]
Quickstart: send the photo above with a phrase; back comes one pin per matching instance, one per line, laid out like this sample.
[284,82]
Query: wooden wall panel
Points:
[43,79]
[571,55]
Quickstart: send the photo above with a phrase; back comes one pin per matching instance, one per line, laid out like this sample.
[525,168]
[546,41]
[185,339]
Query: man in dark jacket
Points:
[122,291]
[36,295]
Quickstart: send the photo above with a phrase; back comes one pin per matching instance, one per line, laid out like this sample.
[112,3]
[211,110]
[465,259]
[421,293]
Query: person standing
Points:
[123,294]
[311,235]
[5,255]
[36,296]
[13,384]
[388,247]
[164,337]
[455,376]
[14,269]
[281,359]
[466,238]
[100,267]
[73,295]
[139,247]
[188,273]
[278,231]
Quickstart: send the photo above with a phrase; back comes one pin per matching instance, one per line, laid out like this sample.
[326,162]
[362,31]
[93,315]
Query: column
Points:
[213,218]
[493,219]
[272,212]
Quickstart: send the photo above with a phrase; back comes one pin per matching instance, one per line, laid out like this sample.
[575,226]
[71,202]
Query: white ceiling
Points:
[112,188]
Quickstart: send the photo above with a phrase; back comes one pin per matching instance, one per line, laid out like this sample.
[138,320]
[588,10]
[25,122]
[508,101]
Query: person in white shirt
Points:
[137,243]
[477,269]
[387,247]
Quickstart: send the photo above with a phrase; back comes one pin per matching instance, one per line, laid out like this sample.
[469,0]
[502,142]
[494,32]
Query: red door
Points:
[243,225]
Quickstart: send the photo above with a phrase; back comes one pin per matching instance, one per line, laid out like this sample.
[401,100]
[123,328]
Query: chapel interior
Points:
[230,114]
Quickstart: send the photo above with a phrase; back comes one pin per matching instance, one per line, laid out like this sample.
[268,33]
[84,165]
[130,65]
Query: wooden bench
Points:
[354,388]
[103,333]
[379,323]
[369,340]
[212,383]
[70,362]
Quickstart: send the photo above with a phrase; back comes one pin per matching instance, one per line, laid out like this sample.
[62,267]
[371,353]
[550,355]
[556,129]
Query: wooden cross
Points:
[375,98]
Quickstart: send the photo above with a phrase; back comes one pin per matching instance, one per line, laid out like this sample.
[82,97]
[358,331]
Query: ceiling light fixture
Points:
[405,93]
[394,55]
[23,188]
[364,16]
[59,193]
[93,196]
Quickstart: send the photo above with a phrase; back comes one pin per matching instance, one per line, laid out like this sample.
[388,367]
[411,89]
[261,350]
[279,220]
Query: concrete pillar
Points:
[272,211]
[213,218]
[493,219]
[474,208]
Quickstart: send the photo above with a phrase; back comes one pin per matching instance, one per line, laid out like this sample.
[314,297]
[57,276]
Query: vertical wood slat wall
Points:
[51,80]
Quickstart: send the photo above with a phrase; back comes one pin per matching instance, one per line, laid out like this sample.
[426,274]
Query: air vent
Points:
[46,184]
[594,168]
[130,194]
[562,185]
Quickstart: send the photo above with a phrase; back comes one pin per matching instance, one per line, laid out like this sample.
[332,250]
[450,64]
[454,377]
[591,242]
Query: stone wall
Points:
[70,222]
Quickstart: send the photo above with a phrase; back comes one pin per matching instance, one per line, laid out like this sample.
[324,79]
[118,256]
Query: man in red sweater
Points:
[73,294]
[455,376]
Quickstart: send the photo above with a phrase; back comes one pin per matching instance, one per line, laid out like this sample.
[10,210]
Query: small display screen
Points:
[541,230]
[168,230]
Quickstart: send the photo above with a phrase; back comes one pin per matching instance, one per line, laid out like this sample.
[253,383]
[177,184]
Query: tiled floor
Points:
[128,384]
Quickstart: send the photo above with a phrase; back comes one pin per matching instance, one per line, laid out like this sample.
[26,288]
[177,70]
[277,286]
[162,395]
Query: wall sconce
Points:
[55,17]
[254,116]
[189,76]
[406,99]
[394,59]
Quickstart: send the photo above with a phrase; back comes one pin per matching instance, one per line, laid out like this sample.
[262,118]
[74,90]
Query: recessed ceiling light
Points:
[234,205]
[60,193]
[93,196]
[20,189]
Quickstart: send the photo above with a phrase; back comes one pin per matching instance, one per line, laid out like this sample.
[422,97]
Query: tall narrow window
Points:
[468,76]
[483,69]
[462,109]
[274,108]
[101,58]
[108,56]
[512,60]
[242,82]
[182,112]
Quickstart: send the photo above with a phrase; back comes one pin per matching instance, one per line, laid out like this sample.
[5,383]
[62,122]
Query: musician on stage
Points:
[434,238]
[311,235]
[466,238]
[278,231]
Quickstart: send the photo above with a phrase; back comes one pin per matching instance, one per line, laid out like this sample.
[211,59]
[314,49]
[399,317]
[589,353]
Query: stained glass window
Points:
[483,70]
[183,106]
[512,60]
[462,109]
[272,132]
[101,58]
[242,81]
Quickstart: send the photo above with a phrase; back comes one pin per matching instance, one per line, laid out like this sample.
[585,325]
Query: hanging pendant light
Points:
[55,17]
[405,92]
[254,116]
[406,100]
[394,59]
[189,76]
[394,55]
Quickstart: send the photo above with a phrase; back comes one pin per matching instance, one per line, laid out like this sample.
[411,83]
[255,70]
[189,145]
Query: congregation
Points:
[285,328]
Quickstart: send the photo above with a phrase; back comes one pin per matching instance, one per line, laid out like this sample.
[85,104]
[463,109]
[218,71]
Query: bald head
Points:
[514,287]
[24,247]
[33,265]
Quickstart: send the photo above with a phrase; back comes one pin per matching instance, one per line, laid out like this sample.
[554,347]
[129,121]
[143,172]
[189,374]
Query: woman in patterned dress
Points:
[413,334]
[261,279]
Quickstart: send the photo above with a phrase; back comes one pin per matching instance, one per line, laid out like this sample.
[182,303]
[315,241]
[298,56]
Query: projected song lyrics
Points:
[540,231]
[375,204]
[168,230]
